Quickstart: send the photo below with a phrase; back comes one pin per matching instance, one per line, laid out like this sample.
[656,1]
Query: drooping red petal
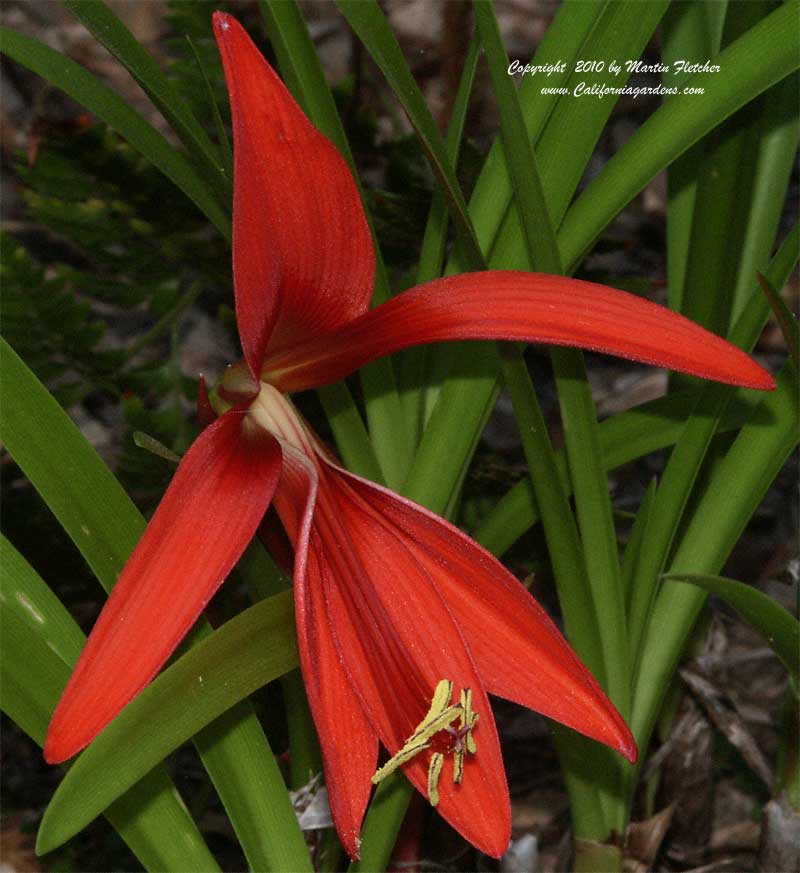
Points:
[303,262]
[530,307]
[397,639]
[519,653]
[348,741]
[207,516]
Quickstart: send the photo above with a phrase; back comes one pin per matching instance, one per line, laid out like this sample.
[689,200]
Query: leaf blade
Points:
[40,643]
[776,624]
[99,99]
[200,686]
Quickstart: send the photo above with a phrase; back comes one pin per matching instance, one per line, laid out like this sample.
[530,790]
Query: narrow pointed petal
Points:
[519,653]
[207,516]
[205,411]
[397,640]
[348,741]
[529,307]
[303,261]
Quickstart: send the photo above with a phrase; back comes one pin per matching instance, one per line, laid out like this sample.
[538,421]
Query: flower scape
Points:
[404,624]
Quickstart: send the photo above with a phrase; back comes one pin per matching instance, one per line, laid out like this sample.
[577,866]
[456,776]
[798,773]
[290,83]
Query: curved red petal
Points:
[348,741]
[519,652]
[529,307]
[303,261]
[397,641]
[208,515]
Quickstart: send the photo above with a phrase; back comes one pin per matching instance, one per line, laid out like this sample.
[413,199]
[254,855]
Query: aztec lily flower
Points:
[404,624]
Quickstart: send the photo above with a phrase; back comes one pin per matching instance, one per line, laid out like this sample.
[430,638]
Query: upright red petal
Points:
[303,262]
[531,307]
[519,652]
[348,741]
[208,515]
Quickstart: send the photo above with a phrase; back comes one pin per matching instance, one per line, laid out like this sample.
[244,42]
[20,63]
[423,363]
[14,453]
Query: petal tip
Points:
[768,382]
[751,374]
[222,23]
[628,749]
[56,747]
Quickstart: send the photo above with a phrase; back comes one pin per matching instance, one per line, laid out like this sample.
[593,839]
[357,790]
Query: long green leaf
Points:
[722,205]
[775,155]
[761,57]
[686,33]
[538,236]
[624,438]
[416,370]
[243,655]
[733,493]
[491,199]
[601,583]
[687,458]
[600,30]
[99,99]
[776,624]
[565,42]
[382,824]
[371,26]
[104,25]
[586,590]
[638,537]
[39,645]
[569,138]
[105,526]
[351,435]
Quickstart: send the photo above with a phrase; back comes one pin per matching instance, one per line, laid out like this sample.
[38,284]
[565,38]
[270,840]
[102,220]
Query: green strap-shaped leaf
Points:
[574,128]
[243,655]
[624,437]
[104,25]
[774,155]
[99,99]
[638,536]
[105,526]
[415,363]
[686,33]
[76,485]
[675,492]
[372,28]
[732,494]
[725,179]
[776,624]
[761,57]
[602,584]
[39,645]
[585,31]
[566,41]
[582,592]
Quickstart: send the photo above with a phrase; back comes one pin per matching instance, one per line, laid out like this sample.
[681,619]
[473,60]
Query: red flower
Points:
[404,623]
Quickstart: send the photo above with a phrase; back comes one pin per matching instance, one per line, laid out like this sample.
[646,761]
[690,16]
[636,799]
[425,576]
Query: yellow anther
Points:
[458,767]
[434,772]
[440,717]
[468,720]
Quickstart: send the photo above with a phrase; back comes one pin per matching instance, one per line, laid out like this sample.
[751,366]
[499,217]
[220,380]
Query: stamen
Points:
[439,720]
